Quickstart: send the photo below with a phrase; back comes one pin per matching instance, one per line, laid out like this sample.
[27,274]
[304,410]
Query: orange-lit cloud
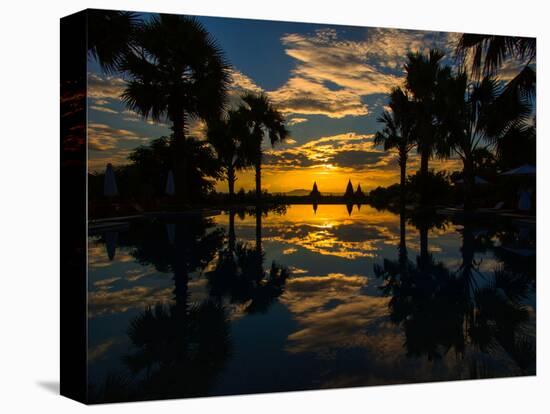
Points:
[332,76]
[103,87]
[296,121]
[102,137]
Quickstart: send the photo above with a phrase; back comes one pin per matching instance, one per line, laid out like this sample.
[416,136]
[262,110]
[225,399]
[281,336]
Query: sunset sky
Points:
[331,82]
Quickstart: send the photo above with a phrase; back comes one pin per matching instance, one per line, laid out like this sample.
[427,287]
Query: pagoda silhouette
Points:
[315,191]
[314,195]
[349,191]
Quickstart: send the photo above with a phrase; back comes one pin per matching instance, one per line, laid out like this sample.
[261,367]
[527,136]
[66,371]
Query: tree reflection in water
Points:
[442,309]
[239,274]
[179,349]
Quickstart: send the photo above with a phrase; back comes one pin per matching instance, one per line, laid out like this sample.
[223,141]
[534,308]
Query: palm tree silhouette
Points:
[177,72]
[110,36]
[240,276]
[479,114]
[489,52]
[153,162]
[398,132]
[423,79]
[179,351]
[263,119]
[440,309]
[226,136]
[518,146]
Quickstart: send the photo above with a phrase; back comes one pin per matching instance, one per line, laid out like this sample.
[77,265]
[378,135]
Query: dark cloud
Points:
[356,158]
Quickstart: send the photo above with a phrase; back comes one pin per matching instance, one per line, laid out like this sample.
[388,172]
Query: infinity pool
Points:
[293,299]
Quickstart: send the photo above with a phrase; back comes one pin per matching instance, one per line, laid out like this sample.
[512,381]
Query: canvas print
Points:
[282,206]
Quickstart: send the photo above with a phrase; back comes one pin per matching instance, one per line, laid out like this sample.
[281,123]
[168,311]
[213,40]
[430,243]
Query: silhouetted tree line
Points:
[466,113]
[444,310]
[176,72]
[179,348]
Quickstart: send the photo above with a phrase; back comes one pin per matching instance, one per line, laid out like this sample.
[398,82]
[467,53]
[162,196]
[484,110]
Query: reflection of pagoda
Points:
[314,195]
[349,191]
[315,191]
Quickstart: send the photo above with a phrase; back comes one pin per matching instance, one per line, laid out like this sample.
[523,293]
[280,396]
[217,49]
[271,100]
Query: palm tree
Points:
[479,114]
[110,36]
[518,146]
[177,352]
[489,52]
[423,79]
[177,72]
[398,132]
[226,135]
[263,119]
[151,165]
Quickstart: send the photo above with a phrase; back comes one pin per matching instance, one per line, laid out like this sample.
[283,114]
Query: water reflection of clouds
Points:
[98,257]
[102,302]
[359,344]
[324,241]
[100,350]
[333,313]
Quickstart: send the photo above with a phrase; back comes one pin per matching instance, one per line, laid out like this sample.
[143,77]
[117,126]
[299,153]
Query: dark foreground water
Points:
[291,300]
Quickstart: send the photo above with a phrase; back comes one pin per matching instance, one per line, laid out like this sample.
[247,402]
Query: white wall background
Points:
[29,204]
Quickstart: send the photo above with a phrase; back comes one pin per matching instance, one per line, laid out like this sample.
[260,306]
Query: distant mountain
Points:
[298,192]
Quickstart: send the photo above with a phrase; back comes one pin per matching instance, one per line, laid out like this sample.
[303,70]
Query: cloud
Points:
[344,150]
[103,87]
[304,96]
[103,109]
[102,137]
[332,75]
[296,121]
[356,158]
[104,91]
[241,83]
[388,48]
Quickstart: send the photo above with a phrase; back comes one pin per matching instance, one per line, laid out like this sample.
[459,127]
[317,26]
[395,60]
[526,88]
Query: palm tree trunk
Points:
[231,233]
[424,252]
[231,181]
[468,248]
[403,177]
[469,181]
[258,229]
[424,165]
[179,155]
[259,180]
[402,239]
[181,273]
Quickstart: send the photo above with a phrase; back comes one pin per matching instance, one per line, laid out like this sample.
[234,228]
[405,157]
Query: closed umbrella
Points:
[109,183]
[171,232]
[170,187]
[111,238]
